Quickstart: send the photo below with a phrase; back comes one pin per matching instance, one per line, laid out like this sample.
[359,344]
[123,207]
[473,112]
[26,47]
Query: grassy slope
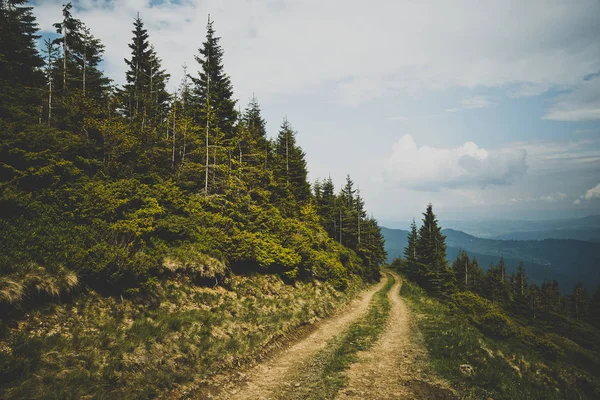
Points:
[114,348]
[514,367]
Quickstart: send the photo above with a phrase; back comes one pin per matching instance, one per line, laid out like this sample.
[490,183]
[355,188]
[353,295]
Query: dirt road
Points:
[266,379]
[393,368]
[387,370]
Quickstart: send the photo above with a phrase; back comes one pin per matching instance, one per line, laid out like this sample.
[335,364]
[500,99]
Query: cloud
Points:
[476,102]
[590,194]
[430,168]
[585,131]
[581,104]
[550,198]
[593,193]
[562,155]
[470,103]
[364,50]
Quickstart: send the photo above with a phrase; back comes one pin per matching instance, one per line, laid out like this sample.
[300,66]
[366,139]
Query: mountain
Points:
[492,229]
[565,260]
[588,235]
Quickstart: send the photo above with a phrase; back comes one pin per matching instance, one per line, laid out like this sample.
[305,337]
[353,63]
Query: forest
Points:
[114,186]
[528,324]
[151,238]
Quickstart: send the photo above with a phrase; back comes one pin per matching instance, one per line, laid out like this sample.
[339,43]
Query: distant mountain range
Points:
[566,260]
[588,235]
[586,228]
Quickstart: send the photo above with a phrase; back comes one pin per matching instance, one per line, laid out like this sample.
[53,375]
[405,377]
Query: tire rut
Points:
[265,380]
[389,368]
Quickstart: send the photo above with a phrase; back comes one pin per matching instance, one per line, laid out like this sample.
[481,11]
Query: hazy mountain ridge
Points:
[566,260]
[589,235]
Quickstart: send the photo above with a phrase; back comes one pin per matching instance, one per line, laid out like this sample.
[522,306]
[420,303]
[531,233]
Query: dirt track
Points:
[392,369]
[387,369]
[266,379]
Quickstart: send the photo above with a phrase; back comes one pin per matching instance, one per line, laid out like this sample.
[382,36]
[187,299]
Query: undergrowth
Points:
[510,364]
[110,347]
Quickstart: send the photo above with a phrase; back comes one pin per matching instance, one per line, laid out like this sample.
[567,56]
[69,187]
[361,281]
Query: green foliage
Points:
[511,360]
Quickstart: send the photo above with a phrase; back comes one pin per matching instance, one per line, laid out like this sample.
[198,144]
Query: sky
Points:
[487,109]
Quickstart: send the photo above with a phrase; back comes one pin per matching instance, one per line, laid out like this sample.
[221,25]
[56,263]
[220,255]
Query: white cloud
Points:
[430,168]
[593,193]
[476,102]
[590,194]
[365,50]
[581,104]
[550,198]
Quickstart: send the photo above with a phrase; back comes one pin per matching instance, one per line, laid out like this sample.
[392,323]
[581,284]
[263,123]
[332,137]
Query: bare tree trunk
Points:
[50,99]
[287,160]
[184,143]
[340,225]
[207,117]
[84,65]
[173,154]
[65,53]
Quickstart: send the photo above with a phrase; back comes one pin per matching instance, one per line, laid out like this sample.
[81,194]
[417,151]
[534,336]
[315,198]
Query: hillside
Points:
[149,238]
[487,350]
[567,261]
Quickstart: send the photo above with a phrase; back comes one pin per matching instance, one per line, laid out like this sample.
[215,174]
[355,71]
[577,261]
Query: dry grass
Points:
[122,348]
[36,279]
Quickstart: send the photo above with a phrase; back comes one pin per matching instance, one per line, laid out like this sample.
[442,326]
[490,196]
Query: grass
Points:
[325,374]
[108,347]
[504,368]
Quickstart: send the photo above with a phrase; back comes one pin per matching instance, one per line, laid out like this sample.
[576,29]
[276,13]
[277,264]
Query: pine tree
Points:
[88,55]
[326,206]
[372,248]
[213,99]
[410,252]
[144,99]
[50,58]
[21,79]
[289,164]
[347,215]
[462,267]
[580,301]
[70,29]
[259,145]
[431,247]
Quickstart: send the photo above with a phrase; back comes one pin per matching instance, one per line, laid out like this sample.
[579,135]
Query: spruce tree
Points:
[326,207]
[431,247]
[289,164]
[213,92]
[410,252]
[253,147]
[144,99]
[21,79]
[347,214]
[70,30]
[88,55]
[461,267]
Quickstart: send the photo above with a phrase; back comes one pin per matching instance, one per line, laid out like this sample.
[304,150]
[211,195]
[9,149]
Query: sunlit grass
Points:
[108,347]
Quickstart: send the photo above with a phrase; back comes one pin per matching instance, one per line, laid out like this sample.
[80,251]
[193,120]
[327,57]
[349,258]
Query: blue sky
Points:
[486,109]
